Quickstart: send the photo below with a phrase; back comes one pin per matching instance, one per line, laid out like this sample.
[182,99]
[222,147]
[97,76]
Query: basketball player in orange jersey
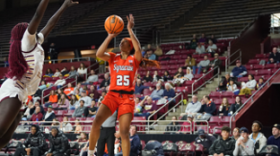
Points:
[123,68]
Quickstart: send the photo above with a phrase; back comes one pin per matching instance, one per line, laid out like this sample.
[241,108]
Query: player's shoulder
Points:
[118,56]
[131,58]
[114,55]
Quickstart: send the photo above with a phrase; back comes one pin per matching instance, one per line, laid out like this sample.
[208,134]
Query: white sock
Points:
[90,152]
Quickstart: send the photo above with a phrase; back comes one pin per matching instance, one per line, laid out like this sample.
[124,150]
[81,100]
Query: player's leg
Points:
[9,134]
[102,114]
[9,118]
[125,121]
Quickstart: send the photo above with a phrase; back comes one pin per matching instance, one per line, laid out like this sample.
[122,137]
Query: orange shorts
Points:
[123,102]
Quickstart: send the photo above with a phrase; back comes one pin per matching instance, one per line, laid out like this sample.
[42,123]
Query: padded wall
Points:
[265,109]
[250,39]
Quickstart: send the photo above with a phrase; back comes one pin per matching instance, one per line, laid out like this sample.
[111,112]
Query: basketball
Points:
[114,24]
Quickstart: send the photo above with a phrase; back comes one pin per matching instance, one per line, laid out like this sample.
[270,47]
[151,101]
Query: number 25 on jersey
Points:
[123,80]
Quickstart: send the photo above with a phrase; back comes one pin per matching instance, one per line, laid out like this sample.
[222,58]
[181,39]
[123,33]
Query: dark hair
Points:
[166,72]
[84,134]
[133,51]
[72,102]
[240,99]
[18,66]
[144,62]
[237,129]
[60,90]
[49,71]
[206,96]
[190,56]
[55,128]
[82,101]
[259,123]
[53,92]
[83,66]
[37,128]
[135,127]
[252,76]
[261,78]
[225,128]
[62,100]
[147,72]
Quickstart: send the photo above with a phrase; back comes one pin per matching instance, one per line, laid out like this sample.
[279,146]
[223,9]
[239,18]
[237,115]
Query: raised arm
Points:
[236,149]
[36,20]
[135,41]
[101,52]
[142,102]
[54,19]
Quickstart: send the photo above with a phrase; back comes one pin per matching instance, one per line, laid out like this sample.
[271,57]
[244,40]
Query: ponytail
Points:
[149,63]
[17,64]
[145,62]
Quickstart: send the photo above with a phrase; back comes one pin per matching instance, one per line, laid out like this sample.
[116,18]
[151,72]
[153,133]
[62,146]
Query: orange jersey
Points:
[68,90]
[122,72]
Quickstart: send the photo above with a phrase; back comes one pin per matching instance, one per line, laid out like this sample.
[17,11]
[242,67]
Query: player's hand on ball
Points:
[113,36]
[69,3]
[130,21]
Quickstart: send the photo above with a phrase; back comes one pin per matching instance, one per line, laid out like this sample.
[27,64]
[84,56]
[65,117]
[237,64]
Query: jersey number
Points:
[123,80]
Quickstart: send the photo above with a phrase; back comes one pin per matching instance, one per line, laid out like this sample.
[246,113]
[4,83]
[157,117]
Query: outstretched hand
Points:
[69,3]
[130,21]
[113,35]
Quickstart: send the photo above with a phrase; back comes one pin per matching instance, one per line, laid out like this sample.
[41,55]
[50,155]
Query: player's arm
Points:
[142,102]
[54,19]
[135,41]
[36,20]
[101,52]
